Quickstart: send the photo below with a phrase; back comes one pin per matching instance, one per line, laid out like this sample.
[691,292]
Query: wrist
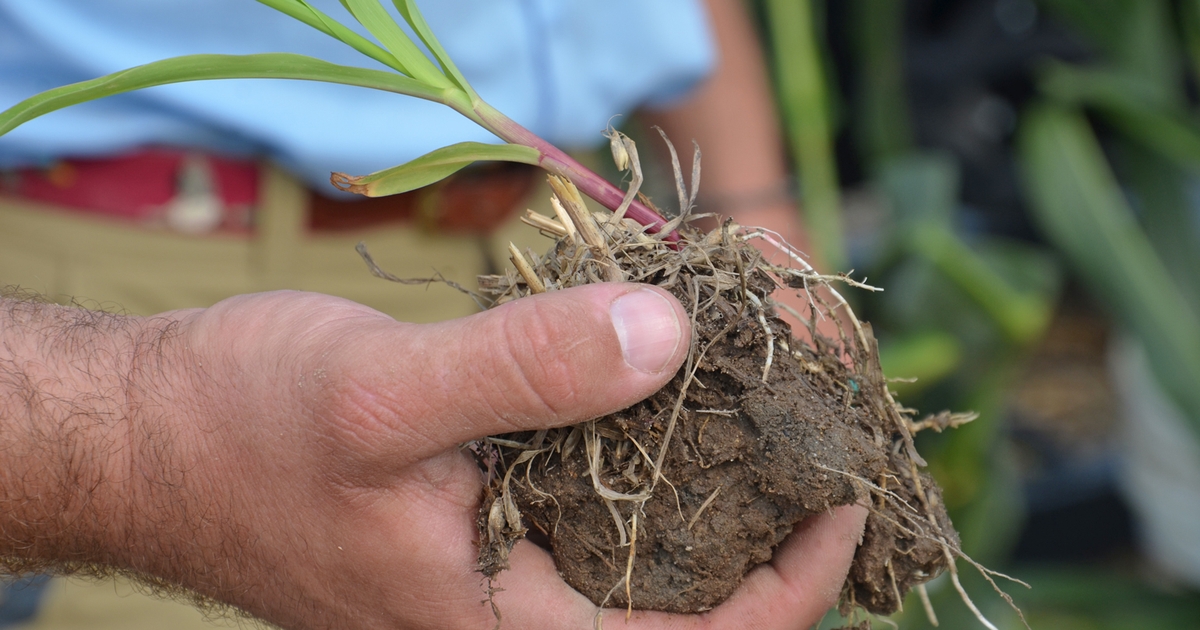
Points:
[81,433]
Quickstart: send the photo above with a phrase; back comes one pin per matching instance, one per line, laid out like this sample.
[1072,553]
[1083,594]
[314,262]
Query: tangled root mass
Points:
[668,504]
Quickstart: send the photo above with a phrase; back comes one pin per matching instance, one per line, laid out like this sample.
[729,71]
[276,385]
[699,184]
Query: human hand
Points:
[300,460]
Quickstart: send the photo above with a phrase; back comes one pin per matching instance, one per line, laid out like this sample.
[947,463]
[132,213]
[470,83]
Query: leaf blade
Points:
[412,15]
[432,167]
[1079,205]
[372,15]
[304,12]
[213,67]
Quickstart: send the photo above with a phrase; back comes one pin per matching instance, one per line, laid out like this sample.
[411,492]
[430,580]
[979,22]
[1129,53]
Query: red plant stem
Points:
[556,161]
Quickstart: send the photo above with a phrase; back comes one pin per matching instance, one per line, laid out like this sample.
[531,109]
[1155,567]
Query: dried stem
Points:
[532,280]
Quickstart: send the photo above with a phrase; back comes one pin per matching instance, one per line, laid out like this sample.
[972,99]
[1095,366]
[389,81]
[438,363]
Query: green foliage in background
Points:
[804,100]
[962,311]
[1142,261]
[412,73]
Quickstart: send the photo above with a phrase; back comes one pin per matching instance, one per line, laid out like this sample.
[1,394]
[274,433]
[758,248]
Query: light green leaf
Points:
[1128,102]
[927,356]
[1021,315]
[432,167]
[804,97]
[209,67]
[408,8]
[1082,209]
[372,15]
[304,12]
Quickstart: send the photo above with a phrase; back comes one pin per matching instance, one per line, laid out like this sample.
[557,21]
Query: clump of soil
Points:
[668,504]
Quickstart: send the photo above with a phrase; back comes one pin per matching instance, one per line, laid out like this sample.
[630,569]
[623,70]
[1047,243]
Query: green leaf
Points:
[304,12]
[882,127]
[432,167]
[1128,102]
[372,15]
[927,356]
[1138,36]
[209,67]
[1082,209]
[412,15]
[923,189]
[1161,191]
[1021,315]
[804,95]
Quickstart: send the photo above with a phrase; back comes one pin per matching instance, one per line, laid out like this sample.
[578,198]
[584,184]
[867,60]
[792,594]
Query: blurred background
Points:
[1021,178]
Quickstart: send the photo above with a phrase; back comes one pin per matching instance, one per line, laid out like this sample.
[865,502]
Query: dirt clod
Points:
[671,502]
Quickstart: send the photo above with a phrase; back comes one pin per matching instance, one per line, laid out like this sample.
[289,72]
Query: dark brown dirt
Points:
[745,460]
[768,453]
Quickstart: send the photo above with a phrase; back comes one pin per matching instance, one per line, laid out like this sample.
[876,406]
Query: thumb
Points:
[546,360]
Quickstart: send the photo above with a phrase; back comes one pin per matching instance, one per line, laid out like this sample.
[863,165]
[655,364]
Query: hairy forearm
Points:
[78,438]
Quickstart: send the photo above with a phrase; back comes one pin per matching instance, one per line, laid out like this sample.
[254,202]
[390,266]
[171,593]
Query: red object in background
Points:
[136,186]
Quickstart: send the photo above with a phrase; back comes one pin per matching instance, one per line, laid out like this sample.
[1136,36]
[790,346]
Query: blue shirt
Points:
[562,68]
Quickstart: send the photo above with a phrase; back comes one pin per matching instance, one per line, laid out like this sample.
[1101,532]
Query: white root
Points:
[923,593]
[592,444]
[629,566]
[895,589]
[703,506]
[762,320]
[791,253]
[962,593]
[616,514]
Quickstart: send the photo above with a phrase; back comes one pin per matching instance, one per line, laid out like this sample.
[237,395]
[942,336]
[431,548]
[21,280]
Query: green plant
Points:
[1125,226]
[413,74]
[804,99]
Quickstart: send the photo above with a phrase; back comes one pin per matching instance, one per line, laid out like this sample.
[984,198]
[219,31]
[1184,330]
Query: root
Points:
[941,421]
[923,593]
[726,285]
[808,274]
[702,507]
[629,566]
[762,320]
[967,598]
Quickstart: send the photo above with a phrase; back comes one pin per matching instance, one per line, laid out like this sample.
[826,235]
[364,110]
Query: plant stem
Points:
[557,162]
[804,99]
[882,110]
